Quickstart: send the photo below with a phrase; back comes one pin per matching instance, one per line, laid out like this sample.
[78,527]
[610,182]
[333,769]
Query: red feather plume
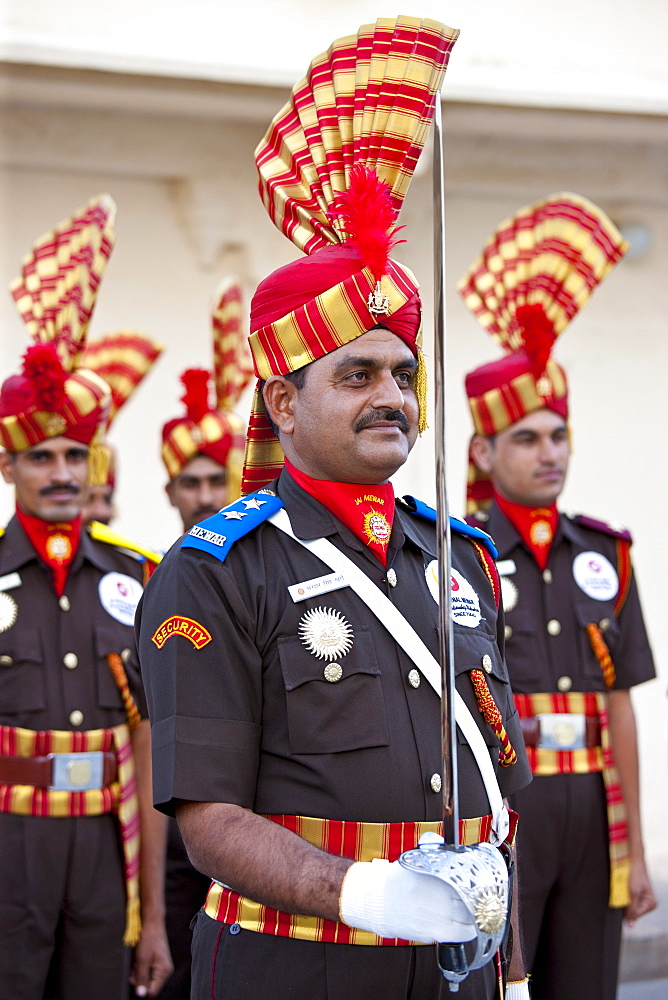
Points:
[369,216]
[43,369]
[538,334]
[196,396]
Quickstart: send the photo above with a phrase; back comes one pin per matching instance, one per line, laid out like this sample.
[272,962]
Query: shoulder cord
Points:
[404,634]
[593,630]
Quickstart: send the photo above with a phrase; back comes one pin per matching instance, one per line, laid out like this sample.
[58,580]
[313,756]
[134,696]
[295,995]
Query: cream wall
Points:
[175,151]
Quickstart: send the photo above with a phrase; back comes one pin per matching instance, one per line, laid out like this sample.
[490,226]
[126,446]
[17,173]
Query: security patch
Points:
[186,627]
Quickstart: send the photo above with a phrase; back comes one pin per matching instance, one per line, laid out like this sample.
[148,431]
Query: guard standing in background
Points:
[81,865]
[575,638]
[203,454]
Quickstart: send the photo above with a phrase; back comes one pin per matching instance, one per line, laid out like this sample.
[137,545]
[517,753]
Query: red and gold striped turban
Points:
[122,359]
[535,273]
[214,431]
[55,394]
[334,168]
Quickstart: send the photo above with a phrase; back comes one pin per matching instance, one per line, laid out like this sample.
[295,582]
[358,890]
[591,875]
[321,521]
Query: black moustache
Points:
[48,490]
[395,416]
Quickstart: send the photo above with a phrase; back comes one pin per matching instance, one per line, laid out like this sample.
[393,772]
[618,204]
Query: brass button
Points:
[333,672]
[487,663]
[414,678]
[564,683]
[604,624]
[125,655]
[508,632]
[391,578]
[76,717]
[554,626]
[64,602]
[5,660]
[482,516]
[71,660]
[435,782]
[547,576]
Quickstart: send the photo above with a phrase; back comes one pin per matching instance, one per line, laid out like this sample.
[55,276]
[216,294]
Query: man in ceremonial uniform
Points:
[80,865]
[203,455]
[294,736]
[575,638]
[203,450]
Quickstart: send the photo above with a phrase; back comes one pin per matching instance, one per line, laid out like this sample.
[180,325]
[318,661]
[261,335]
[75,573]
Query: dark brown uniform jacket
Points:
[54,675]
[249,717]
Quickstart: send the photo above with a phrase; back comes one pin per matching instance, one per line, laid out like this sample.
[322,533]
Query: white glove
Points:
[518,990]
[394,902]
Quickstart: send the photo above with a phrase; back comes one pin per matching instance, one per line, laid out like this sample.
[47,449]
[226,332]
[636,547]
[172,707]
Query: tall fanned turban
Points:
[214,430]
[334,169]
[533,276]
[122,359]
[55,394]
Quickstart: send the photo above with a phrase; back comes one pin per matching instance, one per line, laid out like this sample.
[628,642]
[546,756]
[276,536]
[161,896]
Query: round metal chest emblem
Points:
[326,633]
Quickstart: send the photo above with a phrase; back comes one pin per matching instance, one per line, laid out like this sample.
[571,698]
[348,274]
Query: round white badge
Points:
[596,575]
[465,603]
[119,596]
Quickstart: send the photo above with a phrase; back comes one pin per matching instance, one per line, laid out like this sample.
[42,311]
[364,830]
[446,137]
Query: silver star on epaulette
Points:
[233,515]
[254,504]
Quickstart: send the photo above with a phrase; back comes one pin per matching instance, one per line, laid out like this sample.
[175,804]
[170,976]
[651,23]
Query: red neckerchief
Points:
[367,510]
[535,525]
[55,542]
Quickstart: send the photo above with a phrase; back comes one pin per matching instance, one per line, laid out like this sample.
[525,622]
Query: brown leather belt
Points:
[38,771]
[531,730]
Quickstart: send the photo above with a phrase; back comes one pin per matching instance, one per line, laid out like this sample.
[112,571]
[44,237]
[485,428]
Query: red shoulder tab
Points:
[612,529]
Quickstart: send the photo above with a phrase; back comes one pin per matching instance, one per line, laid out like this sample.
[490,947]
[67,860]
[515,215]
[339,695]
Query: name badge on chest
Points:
[317,586]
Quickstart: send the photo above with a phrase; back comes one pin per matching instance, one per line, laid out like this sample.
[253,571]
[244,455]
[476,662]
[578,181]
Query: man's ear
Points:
[279,396]
[481,453]
[169,490]
[7,466]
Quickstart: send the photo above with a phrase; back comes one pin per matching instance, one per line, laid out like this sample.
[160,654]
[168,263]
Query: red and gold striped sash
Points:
[585,761]
[119,797]
[348,839]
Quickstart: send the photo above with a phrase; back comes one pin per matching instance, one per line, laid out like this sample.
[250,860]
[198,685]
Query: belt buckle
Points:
[77,772]
[562,731]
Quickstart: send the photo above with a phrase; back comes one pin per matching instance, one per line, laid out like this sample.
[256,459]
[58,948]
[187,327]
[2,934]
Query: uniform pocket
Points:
[110,640]
[22,681]
[334,705]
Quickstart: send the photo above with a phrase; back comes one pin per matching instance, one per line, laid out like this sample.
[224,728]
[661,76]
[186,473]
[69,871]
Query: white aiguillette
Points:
[9,581]
[317,586]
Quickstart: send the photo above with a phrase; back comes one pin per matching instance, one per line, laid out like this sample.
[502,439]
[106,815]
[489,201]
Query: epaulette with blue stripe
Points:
[456,524]
[219,532]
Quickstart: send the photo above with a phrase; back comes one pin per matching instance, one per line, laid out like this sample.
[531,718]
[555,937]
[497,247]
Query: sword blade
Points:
[450,790]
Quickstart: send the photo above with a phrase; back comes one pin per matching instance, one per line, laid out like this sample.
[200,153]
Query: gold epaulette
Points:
[101,533]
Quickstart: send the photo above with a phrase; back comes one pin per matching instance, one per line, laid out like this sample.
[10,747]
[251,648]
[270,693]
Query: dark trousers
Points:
[62,909]
[571,937]
[234,964]
[185,893]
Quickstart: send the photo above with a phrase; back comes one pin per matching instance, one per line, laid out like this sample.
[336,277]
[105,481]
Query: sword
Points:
[478,873]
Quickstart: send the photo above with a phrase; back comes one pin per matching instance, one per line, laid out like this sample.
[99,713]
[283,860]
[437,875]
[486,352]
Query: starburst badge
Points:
[510,595]
[376,527]
[58,547]
[9,612]
[326,633]
[490,912]
[541,533]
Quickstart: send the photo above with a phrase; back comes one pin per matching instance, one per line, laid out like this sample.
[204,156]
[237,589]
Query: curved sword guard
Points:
[479,876]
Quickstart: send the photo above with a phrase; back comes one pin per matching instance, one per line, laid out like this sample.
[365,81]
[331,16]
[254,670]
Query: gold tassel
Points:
[99,463]
[132,923]
[619,884]
[421,391]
